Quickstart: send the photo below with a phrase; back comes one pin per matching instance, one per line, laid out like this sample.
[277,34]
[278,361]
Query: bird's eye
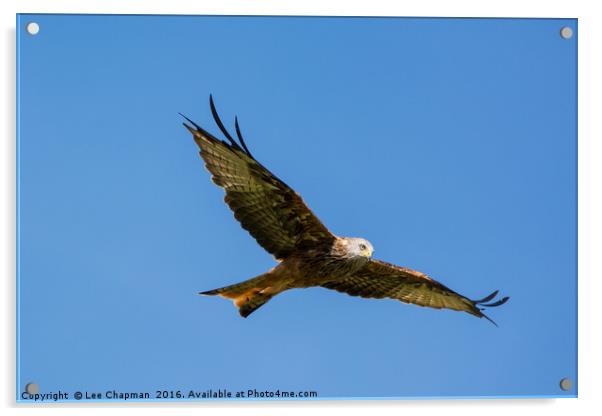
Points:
[362,247]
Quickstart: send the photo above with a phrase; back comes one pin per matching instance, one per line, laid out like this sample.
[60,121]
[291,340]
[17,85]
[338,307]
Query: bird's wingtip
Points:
[481,304]
[497,303]
[489,319]
[189,127]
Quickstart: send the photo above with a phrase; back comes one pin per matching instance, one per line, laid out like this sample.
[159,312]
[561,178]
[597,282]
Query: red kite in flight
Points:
[308,254]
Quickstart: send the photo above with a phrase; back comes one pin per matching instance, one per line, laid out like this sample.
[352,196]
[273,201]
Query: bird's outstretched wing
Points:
[379,279]
[273,213]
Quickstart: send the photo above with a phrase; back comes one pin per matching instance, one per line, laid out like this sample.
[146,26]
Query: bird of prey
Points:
[308,254]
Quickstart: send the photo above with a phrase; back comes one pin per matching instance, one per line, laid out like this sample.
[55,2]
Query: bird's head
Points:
[359,247]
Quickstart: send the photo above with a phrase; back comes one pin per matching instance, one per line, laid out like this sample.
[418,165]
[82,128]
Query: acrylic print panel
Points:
[448,144]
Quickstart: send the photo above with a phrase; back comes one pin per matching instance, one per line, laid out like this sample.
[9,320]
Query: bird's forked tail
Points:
[248,295]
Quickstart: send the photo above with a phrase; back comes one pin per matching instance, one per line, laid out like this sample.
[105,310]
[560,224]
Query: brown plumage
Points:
[308,253]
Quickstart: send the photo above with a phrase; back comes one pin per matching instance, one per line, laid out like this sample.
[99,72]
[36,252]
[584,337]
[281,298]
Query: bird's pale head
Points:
[359,247]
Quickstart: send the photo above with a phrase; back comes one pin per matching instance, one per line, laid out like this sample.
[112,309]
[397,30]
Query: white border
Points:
[590,200]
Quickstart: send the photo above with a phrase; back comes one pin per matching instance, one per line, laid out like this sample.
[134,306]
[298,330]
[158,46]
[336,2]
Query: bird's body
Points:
[308,253]
[307,268]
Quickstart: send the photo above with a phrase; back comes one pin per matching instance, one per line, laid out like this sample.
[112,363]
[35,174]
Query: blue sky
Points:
[450,144]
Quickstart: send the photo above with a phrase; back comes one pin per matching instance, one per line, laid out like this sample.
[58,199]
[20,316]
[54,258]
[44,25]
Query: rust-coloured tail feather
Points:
[253,303]
[247,296]
[237,289]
